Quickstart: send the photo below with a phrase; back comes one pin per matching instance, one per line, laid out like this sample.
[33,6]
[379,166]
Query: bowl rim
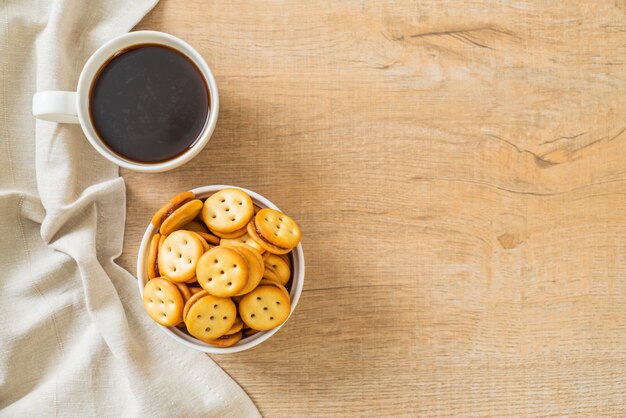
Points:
[254,340]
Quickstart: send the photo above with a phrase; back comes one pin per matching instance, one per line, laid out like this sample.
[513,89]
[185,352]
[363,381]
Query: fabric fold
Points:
[75,340]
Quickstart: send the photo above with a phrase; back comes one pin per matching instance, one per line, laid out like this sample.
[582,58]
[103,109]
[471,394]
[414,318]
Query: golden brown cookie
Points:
[255,266]
[280,266]
[163,302]
[196,226]
[161,240]
[237,326]
[209,317]
[268,282]
[194,297]
[153,267]
[267,246]
[230,235]
[211,239]
[264,308]
[179,255]
[227,210]
[277,228]
[205,245]
[176,202]
[195,290]
[245,238]
[181,216]
[271,274]
[222,271]
[226,340]
[184,291]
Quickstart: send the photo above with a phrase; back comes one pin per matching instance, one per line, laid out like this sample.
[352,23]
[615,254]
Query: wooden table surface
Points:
[458,169]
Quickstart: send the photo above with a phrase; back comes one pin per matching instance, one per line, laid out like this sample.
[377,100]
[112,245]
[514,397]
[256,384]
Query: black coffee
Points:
[149,103]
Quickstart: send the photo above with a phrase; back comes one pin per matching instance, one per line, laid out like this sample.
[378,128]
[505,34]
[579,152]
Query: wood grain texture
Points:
[458,169]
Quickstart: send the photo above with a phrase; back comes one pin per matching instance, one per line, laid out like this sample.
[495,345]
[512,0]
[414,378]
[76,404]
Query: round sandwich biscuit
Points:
[205,245]
[184,291]
[163,302]
[195,290]
[181,216]
[237,326]
[169,208]
[226,340]
[231,235]
[280,266]
[255,266]
[264,308]
[245,238]
[222,271]
[268,282]
[227,210]
[153,266]
[277,228]
[271,274]
[179,255]
[209,317]
[267,246]
[210,238]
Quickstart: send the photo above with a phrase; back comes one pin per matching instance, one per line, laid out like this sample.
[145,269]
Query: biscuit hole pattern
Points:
[212,318]
[271,318]
[258,298]
[215,261]
[230,283]
[278,303]
[207,329]
[160,300]
[223,200]
[185,242]
[159,288]
[252,316]
[265,309]
[232,219]
[225,318]
[198,316]
[150,300]
[214,216]
[227,209]
[221,271]
[163,314]
[210,279]
[180,255]
[215,306]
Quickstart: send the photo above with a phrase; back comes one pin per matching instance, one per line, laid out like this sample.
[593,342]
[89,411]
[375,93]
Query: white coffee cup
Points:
[73,107]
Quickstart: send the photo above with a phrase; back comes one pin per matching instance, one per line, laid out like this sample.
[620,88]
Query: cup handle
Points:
[55,106]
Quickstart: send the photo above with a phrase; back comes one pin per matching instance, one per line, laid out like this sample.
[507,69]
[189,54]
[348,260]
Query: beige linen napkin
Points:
[74,340]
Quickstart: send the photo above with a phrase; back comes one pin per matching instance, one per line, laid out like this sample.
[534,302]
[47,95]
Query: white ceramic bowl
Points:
[297,281]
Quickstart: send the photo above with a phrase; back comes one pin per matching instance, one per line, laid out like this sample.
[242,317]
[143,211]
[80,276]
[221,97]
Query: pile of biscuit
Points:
[218,269]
